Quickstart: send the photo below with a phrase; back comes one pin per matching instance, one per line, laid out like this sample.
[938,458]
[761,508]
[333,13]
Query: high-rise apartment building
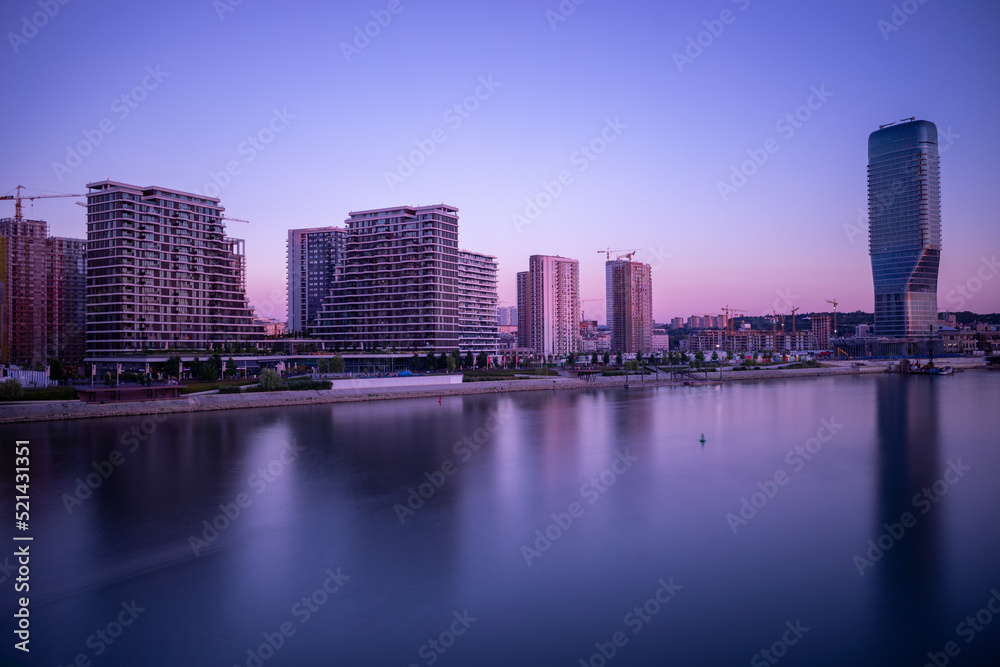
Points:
[523,311]
[400,282]
[161,273]
[507,316]
[42,302]
[632,314]
[477,303]
[553,297]
[315,262]
[904,218]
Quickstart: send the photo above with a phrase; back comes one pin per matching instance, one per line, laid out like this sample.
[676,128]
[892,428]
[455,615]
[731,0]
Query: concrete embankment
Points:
[393,388]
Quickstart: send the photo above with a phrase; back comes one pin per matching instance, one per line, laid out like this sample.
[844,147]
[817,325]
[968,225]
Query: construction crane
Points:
[18,197]
[583,315]
[834,302]
[236,219]
[794,310]
[627,253]
[729,317]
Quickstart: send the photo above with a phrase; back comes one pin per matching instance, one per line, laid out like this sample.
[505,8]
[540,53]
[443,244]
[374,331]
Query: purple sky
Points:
[673,129]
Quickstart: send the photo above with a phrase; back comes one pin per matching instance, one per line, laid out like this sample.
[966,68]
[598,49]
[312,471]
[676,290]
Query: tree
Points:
[457,358]
[11,389]
[429,362]
[482,360]
[450,362]
[593,358]
[173,367]
[337,364]
[699,357]
[269,379]
[56,370]
[442,362]
[469,361]
[715,355]
[638,357]
[618,359]
[571,359]
[231,369]
[415,362]
[729,355]
[323,366]
[607,358]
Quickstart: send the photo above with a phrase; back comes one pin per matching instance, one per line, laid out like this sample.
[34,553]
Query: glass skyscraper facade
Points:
[904,217]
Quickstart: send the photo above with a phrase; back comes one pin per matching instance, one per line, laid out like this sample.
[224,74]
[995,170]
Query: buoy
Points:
[703,438]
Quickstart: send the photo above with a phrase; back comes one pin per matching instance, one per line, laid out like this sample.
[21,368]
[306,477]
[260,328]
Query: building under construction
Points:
[42,294]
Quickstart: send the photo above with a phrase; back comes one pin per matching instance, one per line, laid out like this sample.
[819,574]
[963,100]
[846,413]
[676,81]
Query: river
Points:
[823,521]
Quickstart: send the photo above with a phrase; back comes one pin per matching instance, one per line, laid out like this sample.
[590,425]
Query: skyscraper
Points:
[904,217]
[399,288]
[315,263]
[553,304]
[161,272]
[632,311]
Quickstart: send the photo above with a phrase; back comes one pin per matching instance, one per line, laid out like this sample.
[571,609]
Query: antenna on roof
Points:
[882,127]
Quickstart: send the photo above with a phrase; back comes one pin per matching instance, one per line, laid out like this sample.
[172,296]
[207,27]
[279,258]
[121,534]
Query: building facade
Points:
[162,274]
[523,312]
[477,303]
[553,305]
[822,330]
[904,214]
[632,312]
[507,316]
[400,282]
[42,294]
[315,258]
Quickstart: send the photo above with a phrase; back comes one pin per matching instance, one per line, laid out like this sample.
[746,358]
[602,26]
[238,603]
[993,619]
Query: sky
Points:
[724,141]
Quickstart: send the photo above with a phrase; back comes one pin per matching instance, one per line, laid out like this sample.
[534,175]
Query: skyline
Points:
[330,126]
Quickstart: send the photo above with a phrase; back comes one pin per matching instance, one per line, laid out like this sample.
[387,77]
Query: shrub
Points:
[11,389]
[230,389]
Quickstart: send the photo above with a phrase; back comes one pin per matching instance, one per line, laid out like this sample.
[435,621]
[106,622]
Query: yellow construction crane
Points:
[18,197]
[834,302]
[729,317]
[626,253]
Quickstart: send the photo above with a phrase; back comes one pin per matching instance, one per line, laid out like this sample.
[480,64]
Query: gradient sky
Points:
[782,239]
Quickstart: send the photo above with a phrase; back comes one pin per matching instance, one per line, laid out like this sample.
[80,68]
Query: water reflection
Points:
[910,573]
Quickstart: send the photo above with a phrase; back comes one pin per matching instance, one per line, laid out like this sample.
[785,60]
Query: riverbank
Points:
[15,412]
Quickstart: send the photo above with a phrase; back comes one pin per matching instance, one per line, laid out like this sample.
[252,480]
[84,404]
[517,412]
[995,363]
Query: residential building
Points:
[661,340]
[272,328]
[507,316]
[315,258]
[523,312]
[399,288]
[588,328]
[904,218]
[632,317]
[161,273]
[477,303]
[42,298]
[677,323]
[553,304]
